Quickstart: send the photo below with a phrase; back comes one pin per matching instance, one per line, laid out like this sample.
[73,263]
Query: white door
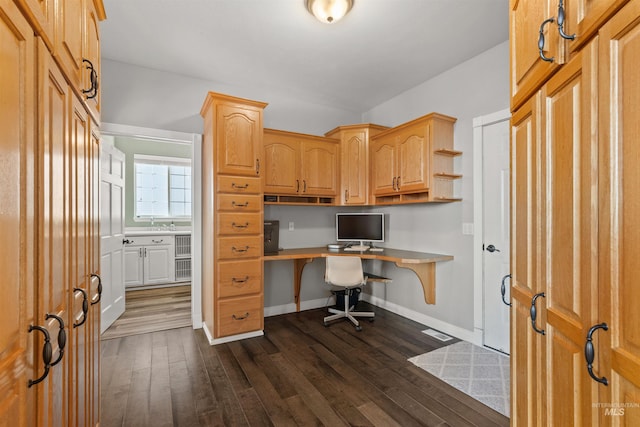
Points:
[495,188]
[111,232]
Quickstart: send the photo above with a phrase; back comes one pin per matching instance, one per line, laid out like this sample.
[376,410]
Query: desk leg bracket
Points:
[426,273]
[298,267]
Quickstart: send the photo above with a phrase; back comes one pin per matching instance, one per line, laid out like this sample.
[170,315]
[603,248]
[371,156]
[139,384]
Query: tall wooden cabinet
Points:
[574,243]
[232,218]
[49,334]
[354,161]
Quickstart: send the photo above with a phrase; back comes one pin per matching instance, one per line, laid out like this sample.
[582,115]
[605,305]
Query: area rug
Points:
[479,372]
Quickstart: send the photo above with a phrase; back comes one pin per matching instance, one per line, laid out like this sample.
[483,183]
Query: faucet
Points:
[152,225]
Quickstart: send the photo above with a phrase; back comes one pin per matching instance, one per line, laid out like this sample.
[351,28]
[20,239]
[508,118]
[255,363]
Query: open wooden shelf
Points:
[274,199]
[447,175]
[447,152]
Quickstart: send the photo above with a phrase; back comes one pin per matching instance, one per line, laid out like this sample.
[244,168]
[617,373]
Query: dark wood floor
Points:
[299,373]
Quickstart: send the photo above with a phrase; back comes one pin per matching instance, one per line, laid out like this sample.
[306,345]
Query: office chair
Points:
[345,272]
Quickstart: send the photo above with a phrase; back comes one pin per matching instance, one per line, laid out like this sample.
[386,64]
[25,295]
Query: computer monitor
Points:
[362,227]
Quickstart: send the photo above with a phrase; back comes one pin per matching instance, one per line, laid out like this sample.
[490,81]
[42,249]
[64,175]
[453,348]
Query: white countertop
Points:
[160,232]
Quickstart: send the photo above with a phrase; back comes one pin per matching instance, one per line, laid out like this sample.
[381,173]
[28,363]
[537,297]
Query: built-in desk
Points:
[421,263]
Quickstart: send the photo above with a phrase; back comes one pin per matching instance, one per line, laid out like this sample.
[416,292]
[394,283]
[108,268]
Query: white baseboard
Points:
[441,326]
[214,341]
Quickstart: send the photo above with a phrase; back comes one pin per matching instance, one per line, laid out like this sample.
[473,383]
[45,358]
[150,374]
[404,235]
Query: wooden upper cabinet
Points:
[528,69]
[299,165]
[410,160]
[91,80]
[354,161]
[41,14]
[239,140]
[584,17]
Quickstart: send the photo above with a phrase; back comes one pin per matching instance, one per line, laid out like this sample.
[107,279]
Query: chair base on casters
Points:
[348,314]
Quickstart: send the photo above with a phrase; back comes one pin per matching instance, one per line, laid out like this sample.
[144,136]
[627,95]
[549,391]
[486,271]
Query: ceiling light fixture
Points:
[329,11]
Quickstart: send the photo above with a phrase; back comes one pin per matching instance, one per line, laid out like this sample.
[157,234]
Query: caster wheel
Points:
[326,325]
[358,328]
[372,319]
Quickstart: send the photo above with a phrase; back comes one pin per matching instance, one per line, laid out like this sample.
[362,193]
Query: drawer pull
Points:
[240,226]
[541,40]
[85,306]
[97,300]
[62,337]
[240,317]
[239,205]
[234,249]
[239,187]
[234,280]
[157,241]
[46,353]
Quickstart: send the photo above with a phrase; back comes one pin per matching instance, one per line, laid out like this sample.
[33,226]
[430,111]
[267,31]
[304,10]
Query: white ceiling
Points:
[380,49]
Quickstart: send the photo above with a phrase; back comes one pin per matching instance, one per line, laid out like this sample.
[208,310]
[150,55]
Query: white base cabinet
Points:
[149,260]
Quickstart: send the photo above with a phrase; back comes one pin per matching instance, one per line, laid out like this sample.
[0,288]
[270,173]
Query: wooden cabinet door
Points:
[319,168]
[570,249]
[238,140]
[618,355]
[91,52]
[413,160]
[281,165]
[354,167]
[584,17]
[41,14]
[528,70]
[20,351]
[383,166]
[69,30]
[527,346]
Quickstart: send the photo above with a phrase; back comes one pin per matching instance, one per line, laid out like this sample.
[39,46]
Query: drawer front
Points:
[232,224]
[239,185]
[235,278]
[150,240]
[239,202]
[239,315]
[239,247]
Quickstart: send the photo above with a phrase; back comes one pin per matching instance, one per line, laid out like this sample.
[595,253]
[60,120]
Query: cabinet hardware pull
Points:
[398,183]
[234,225]
[304,185]
[257,166]
[99,289]
[534,314]
[239,187]
[126,241]
[239,205]
[234,249]
[234,280]
[346,195]
[561,22]
[85,306]
[541,40]
[46,353]
[393,184]
[589,353]
[240,317]
[503,289]
[140,252]
[297,185]
[92,92]
[157,241]
[62,337]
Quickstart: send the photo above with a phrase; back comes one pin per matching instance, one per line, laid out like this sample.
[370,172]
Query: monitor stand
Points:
[360,247]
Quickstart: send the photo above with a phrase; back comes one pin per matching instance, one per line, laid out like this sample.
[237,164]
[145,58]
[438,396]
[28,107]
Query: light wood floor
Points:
[298,373]
[151,310]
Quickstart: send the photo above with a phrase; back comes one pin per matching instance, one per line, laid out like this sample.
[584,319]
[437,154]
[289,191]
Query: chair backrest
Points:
[344,270]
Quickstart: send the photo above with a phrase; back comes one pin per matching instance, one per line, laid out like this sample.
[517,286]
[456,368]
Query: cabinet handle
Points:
[234,280]
[257,166]
[234,249]
[85,306]
[589,353]
[240,317]
[157,241]
[398,183]
[541,40]
[304,185]
[561,22]
[62,337]
[394,183]
[239,187]
[99,289]
[346,195]
[46,353]
[126,241]
[534,314]
[145,252]
[240,226]
[297,185]
[92,92]
[503,289]
[140,252]
[239,205]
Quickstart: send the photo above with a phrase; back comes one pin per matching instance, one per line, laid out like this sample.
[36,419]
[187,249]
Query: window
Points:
[162,187]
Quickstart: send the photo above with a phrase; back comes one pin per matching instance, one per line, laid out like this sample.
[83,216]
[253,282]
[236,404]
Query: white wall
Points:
[477,87]
[142,97]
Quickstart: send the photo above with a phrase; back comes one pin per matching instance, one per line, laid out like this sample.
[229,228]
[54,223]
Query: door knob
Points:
[492,248]
[126,241]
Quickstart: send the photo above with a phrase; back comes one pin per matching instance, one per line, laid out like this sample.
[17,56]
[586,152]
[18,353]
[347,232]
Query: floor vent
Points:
[437,334]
